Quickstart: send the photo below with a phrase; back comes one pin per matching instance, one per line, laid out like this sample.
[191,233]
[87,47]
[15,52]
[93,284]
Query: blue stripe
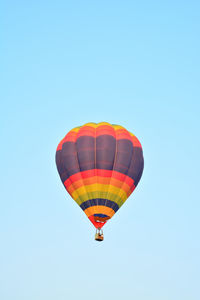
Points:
[100,202]
[100,215]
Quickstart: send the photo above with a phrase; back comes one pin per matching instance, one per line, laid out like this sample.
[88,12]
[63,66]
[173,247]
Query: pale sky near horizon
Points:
[65,63]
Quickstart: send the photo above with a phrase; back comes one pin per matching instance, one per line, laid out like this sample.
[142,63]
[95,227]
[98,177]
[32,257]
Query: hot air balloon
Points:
[100,164]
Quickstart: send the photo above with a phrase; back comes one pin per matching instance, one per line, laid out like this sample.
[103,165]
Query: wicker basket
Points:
[99,235]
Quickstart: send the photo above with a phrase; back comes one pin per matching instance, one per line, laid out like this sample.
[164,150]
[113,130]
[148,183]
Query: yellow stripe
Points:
[117,127]
[100,187]
[76,129]
[131,133]
[96,125]
[91,124]
[100,210]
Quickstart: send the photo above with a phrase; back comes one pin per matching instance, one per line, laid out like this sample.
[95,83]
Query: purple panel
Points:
[105,152]
[136,166]
[123,156]
[85,147]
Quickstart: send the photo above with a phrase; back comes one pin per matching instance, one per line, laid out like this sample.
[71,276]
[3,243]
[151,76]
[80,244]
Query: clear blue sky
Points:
[134,63]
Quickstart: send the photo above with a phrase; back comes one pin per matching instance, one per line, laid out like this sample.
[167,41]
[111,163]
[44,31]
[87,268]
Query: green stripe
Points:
[99,194]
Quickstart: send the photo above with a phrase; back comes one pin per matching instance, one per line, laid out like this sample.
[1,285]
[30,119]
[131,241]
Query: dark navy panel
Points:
[124,154]
[85,142]
[88,203]
[136,166]
[139,175]
[59,163]
[69,158]
[85,146]
[105,152]
[101,215]
[101,202]
[60,166]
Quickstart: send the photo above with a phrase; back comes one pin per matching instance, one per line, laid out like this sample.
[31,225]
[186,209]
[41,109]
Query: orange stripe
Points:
[100,210]
[136,142]
[86,131]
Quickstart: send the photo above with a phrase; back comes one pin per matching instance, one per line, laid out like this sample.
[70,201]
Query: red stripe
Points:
[59,146]
[99,172]
[73,136]
[105,129]
[96,224]
[70,137]
[136,142]
[101,130]
[106,132]
[86,131]
[123,136]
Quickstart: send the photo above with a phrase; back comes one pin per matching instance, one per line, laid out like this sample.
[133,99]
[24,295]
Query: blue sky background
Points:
[134,63]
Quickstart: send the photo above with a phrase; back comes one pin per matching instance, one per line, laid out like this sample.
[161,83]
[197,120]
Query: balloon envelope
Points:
[100,165]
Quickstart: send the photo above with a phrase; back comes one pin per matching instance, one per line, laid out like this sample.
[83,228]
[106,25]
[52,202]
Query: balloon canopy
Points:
[100,165]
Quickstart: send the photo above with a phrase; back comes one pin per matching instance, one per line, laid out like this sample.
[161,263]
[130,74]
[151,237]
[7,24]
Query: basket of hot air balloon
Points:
[100,165]
[99,235]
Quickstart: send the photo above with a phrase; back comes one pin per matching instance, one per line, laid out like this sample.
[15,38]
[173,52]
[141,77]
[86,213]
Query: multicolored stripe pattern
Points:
[100,165]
